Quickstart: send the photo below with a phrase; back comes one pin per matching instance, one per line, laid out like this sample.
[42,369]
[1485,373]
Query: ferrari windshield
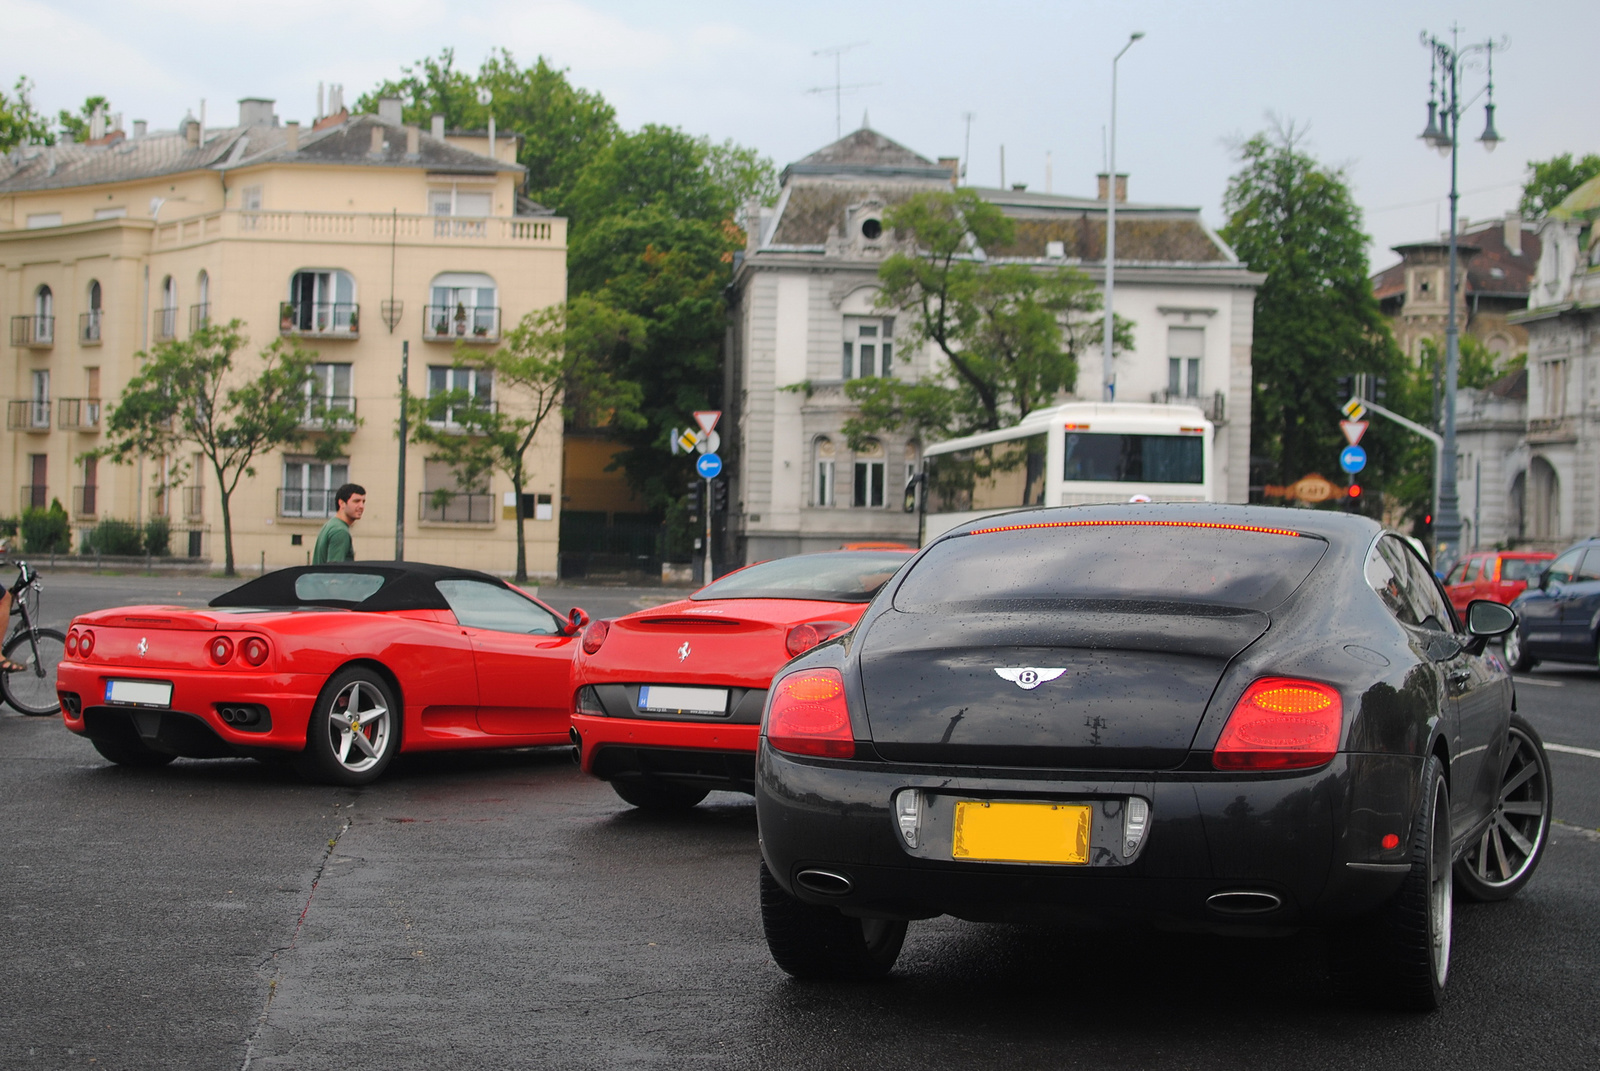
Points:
[852,576]
[1233,566]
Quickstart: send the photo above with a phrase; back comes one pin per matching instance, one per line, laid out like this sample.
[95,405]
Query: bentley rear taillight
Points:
[809,716]
[1281,724]
[595,635]
[802,638]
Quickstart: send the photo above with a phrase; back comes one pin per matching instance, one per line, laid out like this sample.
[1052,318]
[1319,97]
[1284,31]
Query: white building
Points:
[804,320]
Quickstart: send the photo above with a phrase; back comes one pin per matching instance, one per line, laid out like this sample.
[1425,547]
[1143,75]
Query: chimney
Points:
[291,139]
[1122,187]
[97,124]
[437,129]
[191,131]
[413,140]
[377,139]
[953,165]
[1514,234]
[140,128]
[257,111]
[390,110]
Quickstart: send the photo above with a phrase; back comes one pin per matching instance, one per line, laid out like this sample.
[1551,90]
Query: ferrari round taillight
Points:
[254,650]
[72,642]
[85,643]
[809,715]
[595,635]
[1281,724]
[802,638]
[221,650]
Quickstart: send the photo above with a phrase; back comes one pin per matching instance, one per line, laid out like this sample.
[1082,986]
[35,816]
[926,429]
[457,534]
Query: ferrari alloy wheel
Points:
[824,945]
[1517,656]
[354,729]
[655,795]
[1502,860]
[1399,957]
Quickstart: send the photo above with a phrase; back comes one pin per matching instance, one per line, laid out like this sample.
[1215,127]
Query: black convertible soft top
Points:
[404,586]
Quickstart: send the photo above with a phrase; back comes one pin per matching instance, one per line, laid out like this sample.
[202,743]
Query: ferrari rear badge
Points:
[1028,677]
[683,652]
[144,645]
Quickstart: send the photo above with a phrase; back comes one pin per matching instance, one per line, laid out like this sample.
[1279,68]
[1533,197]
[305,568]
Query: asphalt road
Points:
[501,910]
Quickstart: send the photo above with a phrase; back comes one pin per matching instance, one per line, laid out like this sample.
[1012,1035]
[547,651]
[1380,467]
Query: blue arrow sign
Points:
[1352,459]
[709,465]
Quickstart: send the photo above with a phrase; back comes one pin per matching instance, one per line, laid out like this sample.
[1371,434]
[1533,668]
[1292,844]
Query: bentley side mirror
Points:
[1486,617]
[576,620]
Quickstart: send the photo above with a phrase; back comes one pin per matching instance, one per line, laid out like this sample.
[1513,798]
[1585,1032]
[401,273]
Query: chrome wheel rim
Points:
[1440,888]
[1513,647]
[358,726]
[1521,821]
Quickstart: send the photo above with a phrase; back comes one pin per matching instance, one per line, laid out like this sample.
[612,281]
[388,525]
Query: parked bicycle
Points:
[31,653]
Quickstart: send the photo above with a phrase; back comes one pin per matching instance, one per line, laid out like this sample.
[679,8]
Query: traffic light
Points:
[1380,388]
[1352,497]
[1347,388]
[692,504]
[719,496]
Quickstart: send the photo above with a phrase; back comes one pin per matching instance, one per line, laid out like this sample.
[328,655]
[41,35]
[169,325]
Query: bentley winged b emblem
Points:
[1027,677]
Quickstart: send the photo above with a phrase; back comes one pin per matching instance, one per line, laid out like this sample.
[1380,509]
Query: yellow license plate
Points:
[995,832]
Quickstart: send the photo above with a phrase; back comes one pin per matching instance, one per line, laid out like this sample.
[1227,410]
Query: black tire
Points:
[823,945]
[1399,957]
[333,754]
[1516,648]
[131,752]
[33,690]
[1500,862]
[659,795]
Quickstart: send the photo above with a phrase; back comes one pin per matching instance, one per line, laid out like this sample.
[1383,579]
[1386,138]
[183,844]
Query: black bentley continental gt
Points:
[1189,716]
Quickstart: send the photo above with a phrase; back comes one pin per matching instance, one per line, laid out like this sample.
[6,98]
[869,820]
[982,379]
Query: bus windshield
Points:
[1000,476]
[1128,458]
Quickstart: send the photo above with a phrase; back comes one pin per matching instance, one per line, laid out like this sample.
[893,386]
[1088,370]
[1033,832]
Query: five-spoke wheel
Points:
[1517,656]
[1502,859]
[354,730]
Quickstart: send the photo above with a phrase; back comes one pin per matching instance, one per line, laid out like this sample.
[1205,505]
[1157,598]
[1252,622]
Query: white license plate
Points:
[671,700]
[140,693]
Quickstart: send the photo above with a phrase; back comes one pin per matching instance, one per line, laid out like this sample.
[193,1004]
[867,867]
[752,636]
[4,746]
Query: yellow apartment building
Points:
[355,236]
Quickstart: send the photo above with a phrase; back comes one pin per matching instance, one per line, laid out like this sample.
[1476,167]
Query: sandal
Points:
[8,666]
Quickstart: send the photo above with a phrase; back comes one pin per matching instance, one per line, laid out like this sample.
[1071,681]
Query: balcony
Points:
[164,325]
[28,415]
[78,414]
[365,228]
[455,507]
[337,412]
[89,328]
[306,501]
[450,417]
[442,323]
[84,500]
[199,316]
[1214,406]
[35,496]
[305,319]
[194,503]
[33,332]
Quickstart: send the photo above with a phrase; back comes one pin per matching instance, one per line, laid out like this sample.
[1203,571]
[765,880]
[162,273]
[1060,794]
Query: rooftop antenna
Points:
[966,149]
[838,88]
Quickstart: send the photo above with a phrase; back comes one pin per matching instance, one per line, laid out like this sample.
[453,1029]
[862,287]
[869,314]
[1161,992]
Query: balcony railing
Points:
[319,319]
[443,416]
[337,411]
[194,503]
[445,323]
[1214,405]
[199,316]
[306,502]
[459,227]
[28,415]
[35,496]
[36,332]
[89,327]
[164,325]
[84,500]
[82,414]
[363,227]
[455,507]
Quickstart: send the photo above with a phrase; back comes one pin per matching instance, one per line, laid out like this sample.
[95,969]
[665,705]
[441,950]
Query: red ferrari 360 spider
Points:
[668,701]
[336,666]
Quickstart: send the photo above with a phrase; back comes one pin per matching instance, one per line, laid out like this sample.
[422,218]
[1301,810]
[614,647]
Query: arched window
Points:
[1544,510]
[200,311]
[166,315]
[823,485]
[322,301]
[44,315]
[463,305]
[89,322]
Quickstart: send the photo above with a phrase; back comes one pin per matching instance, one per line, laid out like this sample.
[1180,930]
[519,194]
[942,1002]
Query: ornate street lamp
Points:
[1443,133]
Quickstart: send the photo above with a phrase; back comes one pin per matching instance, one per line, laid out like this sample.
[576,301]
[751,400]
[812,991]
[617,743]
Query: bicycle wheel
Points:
[33,690]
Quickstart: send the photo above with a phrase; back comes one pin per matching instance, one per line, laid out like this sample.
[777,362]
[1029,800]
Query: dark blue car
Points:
[1559,614]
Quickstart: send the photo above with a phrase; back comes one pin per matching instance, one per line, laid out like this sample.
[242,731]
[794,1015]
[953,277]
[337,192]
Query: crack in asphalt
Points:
[272,958]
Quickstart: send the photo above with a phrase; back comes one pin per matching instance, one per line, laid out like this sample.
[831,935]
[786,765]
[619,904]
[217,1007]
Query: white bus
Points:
[1068,455]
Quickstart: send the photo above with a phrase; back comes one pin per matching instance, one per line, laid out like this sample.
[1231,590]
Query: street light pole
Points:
[1108,372]
[1445,138]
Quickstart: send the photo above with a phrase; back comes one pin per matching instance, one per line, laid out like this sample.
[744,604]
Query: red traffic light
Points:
[1428,519]
[1355,490]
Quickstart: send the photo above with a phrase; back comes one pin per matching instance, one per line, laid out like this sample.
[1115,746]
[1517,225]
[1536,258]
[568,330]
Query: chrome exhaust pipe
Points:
[1244,902]
[824,882]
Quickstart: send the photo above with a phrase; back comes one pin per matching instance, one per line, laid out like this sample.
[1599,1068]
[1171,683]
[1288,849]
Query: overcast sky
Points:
[1035,76]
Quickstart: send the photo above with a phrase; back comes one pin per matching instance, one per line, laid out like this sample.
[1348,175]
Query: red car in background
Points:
[1500,575]
[667,701]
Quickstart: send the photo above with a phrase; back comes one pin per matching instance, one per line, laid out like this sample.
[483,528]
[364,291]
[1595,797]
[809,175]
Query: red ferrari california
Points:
[667,702]
[337,667]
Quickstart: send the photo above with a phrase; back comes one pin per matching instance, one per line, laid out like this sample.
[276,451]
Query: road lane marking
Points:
[1542,684]
[1568,749]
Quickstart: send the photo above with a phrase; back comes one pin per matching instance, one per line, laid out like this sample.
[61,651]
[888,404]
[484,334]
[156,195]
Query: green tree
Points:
[1549,182]
[1315,317]
[556,362]
[196,391]
[659,168]
[1009,334]
[78,124]
[742,173]
[20,122]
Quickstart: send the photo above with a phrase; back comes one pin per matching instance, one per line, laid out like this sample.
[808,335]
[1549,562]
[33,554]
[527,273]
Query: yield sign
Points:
[707,419]
[1353,430]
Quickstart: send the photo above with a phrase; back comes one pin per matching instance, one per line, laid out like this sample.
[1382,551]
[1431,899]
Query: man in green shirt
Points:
[333,542]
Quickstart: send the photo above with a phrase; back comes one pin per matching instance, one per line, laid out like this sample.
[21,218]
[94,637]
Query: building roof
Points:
[1581,202]
[1492,268]
[1145,232]
[866,153]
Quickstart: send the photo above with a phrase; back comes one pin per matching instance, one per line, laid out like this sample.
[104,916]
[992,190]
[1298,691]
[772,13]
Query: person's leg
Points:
[6,665]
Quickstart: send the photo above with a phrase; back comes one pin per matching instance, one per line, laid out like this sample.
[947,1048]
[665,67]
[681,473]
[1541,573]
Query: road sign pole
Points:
[709,574]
